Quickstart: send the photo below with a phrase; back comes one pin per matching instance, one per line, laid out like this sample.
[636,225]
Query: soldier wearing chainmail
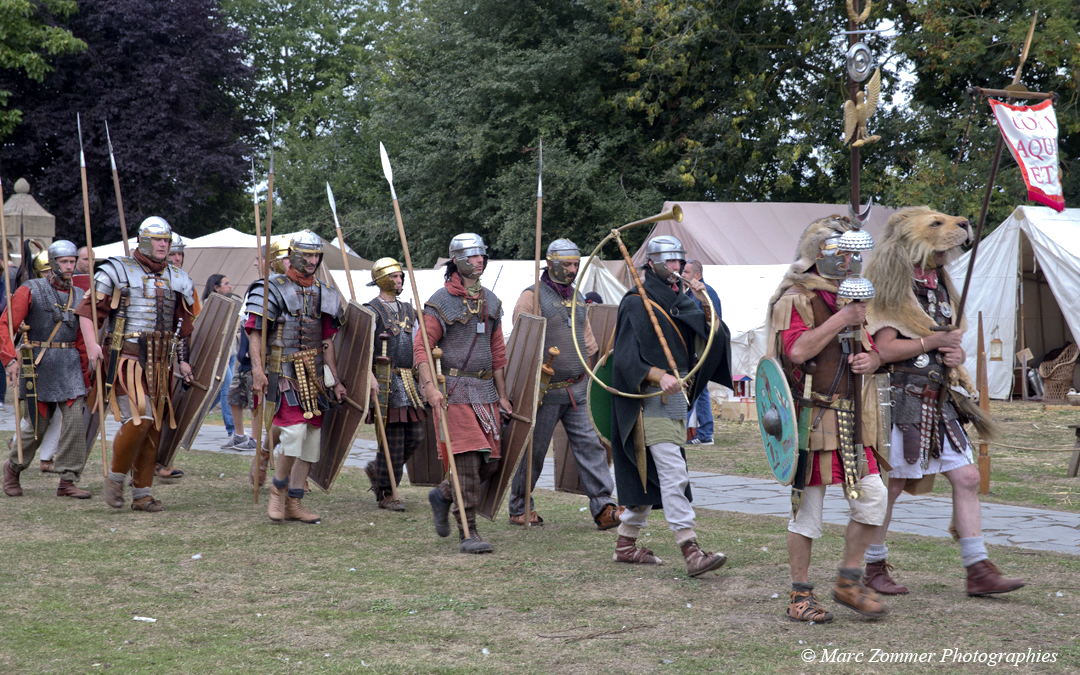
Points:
[914,302]
[56,383]
[464,320]
[302,316]
[806,327]
[565,399]
[146,305]
[648,435]
[393,384]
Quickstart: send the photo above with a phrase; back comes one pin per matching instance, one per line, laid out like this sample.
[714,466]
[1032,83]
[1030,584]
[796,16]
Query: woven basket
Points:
[1057,375]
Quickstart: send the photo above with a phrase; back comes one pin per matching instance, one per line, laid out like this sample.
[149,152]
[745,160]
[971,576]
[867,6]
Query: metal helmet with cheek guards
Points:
[177,245]
[279,252]
[42,264]
[461,248]
[380,275]
[831,262]
[154,227]
[304,241]
[62,248]
[661,249]
[558,252]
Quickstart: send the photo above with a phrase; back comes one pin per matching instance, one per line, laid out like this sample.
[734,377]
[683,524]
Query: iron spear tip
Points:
[540,178]
[112,158]
[82,155]
[330,196]
[387,171]
[273,124]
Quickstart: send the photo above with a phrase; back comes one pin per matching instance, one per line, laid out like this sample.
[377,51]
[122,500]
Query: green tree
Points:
[28,39]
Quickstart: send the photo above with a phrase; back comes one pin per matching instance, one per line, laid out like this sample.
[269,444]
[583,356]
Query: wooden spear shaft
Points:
[431,372]
[11,331]
[93,304]
[536,310]
[119,199]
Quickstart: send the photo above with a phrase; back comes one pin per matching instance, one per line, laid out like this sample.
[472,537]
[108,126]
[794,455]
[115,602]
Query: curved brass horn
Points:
[674,213]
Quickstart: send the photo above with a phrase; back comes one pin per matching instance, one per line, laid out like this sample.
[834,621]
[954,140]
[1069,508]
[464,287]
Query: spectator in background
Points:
[219,283]
[701,413]
[82,265]
[4,280]
[593,298]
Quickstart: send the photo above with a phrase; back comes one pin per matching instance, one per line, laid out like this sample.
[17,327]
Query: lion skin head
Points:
[923,233]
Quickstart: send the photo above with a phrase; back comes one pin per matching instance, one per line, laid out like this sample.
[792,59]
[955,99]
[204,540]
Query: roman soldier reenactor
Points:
[51,360]
[914,302]
[402,407]
[807,329]
[565,397]
[146,305]
[648,435]
[464,320]
[302,314]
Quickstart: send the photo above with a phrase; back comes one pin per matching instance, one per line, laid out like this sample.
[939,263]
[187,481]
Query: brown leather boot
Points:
[983,578]
[854,595]
[627,551]
[534,519]
[699,562]
[877,577]
[148,504]
[390,504]
[295,511]
[804,606]
[67,489]
[609,517]
[275,506]
[114,493]
[11,481]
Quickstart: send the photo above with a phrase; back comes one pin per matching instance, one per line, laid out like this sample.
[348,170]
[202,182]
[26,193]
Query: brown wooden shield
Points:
[424,467]
[524,354]
[210,344]
[354,347]
[602,321]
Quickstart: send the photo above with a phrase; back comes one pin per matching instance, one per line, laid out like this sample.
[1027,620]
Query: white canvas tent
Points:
[1047,245]
[507,278]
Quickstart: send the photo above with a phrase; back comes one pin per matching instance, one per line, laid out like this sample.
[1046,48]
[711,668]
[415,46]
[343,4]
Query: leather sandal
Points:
[609,517]
[855,596]
[627,551]
[164,472]
[804,606]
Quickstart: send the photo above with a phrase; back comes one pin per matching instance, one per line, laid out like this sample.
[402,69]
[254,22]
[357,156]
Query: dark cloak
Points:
[636,351]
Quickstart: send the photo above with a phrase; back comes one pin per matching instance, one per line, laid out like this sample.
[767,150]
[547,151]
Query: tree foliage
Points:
[165,76]
[28,41]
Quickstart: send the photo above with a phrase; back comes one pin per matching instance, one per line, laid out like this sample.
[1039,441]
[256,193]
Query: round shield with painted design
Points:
[776,416]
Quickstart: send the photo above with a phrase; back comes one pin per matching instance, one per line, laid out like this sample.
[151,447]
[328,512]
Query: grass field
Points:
[373,591]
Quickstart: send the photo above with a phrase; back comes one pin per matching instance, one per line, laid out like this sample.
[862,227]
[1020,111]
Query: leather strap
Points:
[478,374]
[565,383]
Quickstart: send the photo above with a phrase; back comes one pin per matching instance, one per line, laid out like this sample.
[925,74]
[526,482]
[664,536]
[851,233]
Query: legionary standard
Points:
[52,380]
[399,396]
[668,350]
[564,393]
[302,316]
[146,306]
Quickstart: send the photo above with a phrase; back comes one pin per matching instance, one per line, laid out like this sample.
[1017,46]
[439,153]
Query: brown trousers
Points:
[472,472]
[135,449]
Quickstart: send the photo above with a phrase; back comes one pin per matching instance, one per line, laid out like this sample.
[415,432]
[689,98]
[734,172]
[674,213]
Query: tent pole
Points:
[1023,336]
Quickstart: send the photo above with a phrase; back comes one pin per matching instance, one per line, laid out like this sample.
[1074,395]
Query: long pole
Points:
[11,329]
[536,310]
[256,422]
[119,199]
[93,304]
[380,423]
[389,173]
[981,383]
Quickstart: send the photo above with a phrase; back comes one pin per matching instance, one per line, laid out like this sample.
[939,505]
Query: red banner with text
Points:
[1032,135]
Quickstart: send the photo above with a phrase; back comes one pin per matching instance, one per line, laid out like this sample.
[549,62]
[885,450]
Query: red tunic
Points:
[789,337]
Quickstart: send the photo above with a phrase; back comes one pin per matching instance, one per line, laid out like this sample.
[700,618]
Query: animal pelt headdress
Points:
[911,240]
[800,273]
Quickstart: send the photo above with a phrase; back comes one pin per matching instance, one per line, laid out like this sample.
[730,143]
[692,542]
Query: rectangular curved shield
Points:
[524,356]
[424,467]
[210,343]
[354,348]
[602,321]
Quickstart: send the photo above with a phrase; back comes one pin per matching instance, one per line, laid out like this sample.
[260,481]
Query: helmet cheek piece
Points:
[831,262]
[466,269]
